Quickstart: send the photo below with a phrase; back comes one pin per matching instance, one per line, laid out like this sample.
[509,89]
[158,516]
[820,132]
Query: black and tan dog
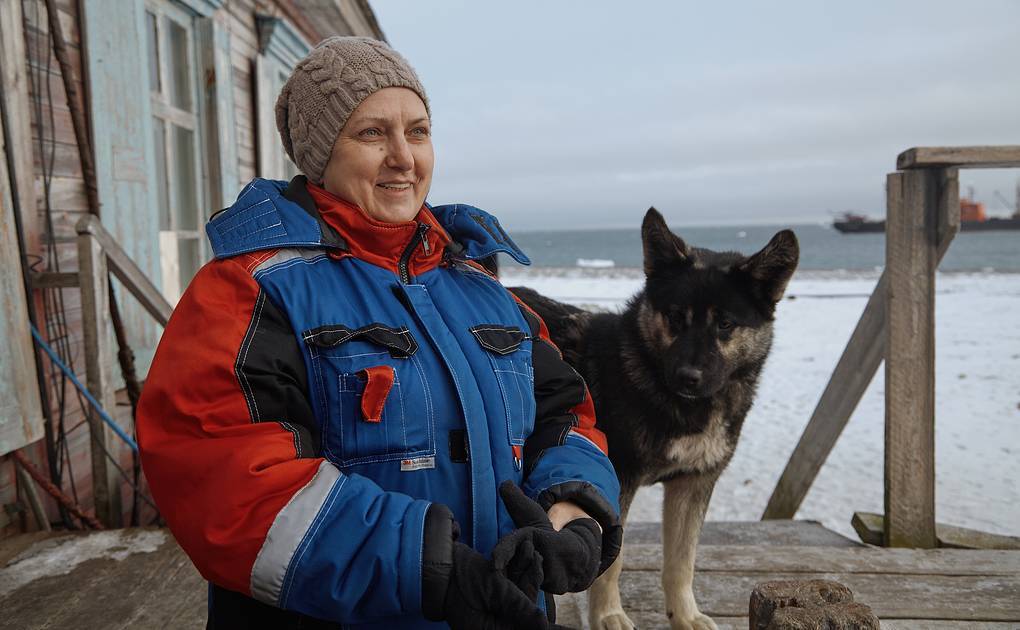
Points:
[673,377]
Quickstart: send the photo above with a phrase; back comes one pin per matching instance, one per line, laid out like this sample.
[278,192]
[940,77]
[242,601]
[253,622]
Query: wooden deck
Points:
[938,589]
[139,578]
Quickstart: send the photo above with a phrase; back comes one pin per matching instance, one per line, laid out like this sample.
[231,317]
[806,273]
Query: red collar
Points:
[383,244]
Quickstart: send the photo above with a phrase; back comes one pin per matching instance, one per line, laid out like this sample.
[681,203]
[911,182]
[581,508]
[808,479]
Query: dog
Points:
[672,378]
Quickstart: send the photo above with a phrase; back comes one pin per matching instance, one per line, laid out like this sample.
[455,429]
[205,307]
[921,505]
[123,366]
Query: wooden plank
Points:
[804,559]
[219,111]
[1003,156]
[99,359]
[21,420]
[912,198]
[979,598]
[125,269]
[871,528]
[16,88]
[121,115]
[54,280]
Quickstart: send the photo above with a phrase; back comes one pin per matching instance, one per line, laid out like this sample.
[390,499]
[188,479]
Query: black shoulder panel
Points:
[271,371]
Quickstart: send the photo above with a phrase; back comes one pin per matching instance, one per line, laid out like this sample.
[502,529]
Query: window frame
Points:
[169,13]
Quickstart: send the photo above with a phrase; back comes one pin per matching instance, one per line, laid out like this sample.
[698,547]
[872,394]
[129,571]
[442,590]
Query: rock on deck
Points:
[139,578]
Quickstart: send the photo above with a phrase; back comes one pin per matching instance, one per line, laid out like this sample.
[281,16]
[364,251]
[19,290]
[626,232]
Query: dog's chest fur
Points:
[703,451]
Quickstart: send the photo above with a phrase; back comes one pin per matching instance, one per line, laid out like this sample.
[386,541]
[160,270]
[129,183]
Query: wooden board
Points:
[749,560]
[980,598]
[870,527]
[21,420]
[1005,156]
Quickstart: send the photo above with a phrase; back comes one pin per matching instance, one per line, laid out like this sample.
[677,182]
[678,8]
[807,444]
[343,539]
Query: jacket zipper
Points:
[420,236]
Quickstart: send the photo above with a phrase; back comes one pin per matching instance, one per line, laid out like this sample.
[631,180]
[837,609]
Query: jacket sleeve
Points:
[566,456]
[229,445]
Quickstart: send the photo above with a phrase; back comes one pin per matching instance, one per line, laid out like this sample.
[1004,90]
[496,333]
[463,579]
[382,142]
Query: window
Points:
[176,128]
[280,49]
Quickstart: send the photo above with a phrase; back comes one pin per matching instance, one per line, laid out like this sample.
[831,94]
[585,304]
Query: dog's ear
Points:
[772,267]
[660,245]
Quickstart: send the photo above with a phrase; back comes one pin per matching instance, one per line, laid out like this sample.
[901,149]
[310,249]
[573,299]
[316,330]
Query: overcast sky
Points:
[582,114]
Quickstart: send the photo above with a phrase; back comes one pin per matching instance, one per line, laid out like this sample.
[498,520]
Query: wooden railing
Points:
[898,325]
[98,256]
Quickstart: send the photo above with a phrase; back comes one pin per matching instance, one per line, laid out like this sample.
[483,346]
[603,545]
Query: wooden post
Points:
[911,219]
[95,306]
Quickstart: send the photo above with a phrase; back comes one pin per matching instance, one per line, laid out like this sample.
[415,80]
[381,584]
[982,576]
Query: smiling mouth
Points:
[395,187]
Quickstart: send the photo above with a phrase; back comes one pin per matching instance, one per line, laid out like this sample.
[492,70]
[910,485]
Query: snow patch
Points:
[59,556]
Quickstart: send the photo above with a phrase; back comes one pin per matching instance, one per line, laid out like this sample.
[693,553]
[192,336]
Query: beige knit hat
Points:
[326,87]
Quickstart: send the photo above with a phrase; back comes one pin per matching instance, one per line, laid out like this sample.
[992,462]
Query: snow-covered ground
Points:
[977,398]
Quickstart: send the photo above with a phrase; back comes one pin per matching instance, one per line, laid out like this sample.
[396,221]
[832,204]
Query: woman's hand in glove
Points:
[565,561]
[480,598]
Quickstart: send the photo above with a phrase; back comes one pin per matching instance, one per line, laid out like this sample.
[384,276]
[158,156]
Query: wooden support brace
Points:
[125,269]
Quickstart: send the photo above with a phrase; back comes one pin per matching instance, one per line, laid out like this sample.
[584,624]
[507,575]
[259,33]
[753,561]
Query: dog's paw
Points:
[697,622]
[613,620]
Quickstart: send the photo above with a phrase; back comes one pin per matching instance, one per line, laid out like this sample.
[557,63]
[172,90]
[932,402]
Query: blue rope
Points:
[74,379]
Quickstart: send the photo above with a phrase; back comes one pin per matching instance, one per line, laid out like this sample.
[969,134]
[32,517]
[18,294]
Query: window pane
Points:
[159,142]
[180,67]
[184,185]
[188,259]
[150,35]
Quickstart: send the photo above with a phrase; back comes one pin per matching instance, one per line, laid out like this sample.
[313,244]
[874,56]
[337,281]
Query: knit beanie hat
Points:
[326,87]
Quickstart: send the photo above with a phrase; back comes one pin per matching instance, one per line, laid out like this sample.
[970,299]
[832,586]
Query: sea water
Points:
[977,367]
[821,247]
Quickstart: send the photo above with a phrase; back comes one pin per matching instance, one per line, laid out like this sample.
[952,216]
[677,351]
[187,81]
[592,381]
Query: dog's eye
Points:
[725,324]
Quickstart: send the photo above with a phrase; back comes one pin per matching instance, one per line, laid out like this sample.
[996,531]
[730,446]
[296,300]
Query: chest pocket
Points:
[375,399]
[509,352]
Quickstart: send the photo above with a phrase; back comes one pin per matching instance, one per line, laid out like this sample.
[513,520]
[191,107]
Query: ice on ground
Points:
[58,556]
[977,385]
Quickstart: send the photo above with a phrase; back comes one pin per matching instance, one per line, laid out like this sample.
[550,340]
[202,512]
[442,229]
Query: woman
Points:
[341,393]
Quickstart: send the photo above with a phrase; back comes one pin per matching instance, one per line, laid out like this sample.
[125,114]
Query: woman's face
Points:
[382,160]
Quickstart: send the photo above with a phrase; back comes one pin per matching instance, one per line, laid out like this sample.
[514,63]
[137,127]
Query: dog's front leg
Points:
[605,610]
[683,511]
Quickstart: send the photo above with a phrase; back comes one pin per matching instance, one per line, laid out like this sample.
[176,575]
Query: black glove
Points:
[565,561]
[460,586]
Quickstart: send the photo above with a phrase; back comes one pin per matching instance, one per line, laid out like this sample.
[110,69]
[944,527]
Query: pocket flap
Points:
[499,339]
[398,341]
[378,383]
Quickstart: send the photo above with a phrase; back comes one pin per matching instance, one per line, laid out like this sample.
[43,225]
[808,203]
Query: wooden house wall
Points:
[51,121]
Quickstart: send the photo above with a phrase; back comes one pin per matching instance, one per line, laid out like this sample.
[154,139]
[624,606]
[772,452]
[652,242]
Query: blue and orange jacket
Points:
[326,379]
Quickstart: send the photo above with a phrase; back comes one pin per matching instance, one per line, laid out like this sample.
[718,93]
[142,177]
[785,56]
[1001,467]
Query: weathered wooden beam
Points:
[1004,156]
[99,360]
[912,199]
[125,269]
[853,373]
[845,560]
[962,597]
[871,529]
[54,279]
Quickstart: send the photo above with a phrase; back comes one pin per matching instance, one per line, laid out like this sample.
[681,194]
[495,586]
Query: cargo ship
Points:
[972,219]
